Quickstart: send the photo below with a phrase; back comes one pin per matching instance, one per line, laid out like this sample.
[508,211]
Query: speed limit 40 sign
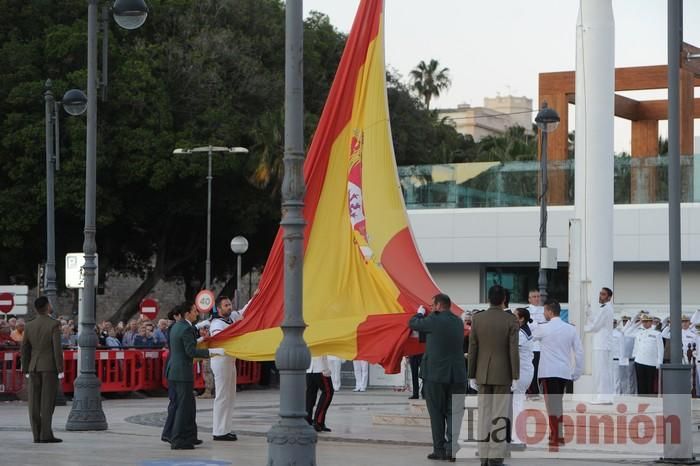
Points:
[204,301]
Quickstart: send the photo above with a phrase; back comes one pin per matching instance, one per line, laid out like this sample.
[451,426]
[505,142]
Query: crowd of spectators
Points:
[11,332]
[137,333]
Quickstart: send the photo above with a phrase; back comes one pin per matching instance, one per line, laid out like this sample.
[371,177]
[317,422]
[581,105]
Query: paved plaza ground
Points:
[135,423]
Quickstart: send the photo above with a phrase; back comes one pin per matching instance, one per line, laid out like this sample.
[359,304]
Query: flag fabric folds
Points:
[363,275]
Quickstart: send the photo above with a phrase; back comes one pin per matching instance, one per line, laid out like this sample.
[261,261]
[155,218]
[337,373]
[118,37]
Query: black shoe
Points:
[413,397]
[198,442]
[182,447]
[51,440]
[230,437]
[321,428]
[437,456]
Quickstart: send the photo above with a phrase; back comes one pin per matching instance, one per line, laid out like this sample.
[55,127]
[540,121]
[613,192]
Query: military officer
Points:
[600,325]
[224,369]
[443,373]
[42,363]
[183,349]
[494,369]
[648,355]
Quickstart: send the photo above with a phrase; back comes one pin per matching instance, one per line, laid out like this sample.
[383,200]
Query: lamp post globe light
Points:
[210,150]
[86,412]
[239,246]
[547,121]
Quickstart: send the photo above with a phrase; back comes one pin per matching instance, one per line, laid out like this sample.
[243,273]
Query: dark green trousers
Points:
[445,403]
[184,430]
[42,401]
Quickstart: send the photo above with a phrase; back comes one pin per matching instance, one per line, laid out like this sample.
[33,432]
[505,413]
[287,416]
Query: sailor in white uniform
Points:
[224,369]
[600,325]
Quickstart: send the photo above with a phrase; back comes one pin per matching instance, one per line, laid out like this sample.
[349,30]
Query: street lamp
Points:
[239,245]
[75,103]
[86,412]
[547,120]
[210,150]
[292,440]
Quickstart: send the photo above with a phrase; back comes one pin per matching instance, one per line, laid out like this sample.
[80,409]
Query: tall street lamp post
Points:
[292,441]
[547,120]
[75,103]
[86,412]
[210,150]
[239,246]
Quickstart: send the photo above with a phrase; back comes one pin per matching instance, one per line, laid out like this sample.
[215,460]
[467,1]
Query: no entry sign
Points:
[7,302]
[149,308]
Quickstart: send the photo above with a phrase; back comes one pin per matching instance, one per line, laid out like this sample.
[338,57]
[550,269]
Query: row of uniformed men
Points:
[639,347]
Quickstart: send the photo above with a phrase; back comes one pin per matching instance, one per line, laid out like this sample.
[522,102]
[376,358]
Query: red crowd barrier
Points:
[119,371]
[247,372]
[11,377]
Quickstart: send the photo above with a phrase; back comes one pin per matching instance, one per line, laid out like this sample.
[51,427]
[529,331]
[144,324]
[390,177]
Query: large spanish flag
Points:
[363,276]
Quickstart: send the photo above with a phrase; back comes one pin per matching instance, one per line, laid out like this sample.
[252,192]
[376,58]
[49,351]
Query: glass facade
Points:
[638,180]
[519,280]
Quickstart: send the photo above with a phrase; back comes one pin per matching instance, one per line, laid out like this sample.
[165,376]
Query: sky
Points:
[500,46]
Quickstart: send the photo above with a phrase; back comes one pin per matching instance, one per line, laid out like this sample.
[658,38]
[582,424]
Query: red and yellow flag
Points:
[363,276]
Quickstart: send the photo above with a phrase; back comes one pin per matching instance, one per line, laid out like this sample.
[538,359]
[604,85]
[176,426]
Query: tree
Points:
[420,137]
[428,80]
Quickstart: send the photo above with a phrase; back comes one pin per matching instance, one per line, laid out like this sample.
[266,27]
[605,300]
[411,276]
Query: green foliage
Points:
[428,80]
[418,135]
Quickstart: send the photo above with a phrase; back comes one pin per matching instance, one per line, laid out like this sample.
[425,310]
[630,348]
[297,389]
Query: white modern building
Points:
[467,249]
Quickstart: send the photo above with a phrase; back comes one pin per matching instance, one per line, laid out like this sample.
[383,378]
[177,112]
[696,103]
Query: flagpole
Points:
[292,441]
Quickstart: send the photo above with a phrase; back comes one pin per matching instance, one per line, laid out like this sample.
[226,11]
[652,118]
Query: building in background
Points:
[497,114]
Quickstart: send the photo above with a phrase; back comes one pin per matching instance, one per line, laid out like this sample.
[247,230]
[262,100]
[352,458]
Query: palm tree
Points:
[428,80]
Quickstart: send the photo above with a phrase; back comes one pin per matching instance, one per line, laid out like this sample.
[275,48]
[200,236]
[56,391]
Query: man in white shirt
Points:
[648,355]
[224,369]
[318,378]
[559,341]
[537,316]
[628,376]
[600,325]
[617,347]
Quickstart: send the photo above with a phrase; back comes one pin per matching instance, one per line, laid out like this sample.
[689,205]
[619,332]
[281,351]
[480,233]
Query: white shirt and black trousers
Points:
[648,356]
[558,342]
[317,380]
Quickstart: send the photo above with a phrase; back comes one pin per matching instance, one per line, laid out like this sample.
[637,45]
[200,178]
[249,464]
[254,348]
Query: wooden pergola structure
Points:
[559,90]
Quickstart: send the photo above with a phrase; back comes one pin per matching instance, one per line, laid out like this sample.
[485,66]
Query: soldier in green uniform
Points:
[494,366]
[443,374]
[183,349]
[42,362]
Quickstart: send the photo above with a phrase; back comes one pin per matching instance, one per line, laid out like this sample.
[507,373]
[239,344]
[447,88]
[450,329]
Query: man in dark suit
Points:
[42,363]
[174,315]
[443,374]
[494,366]
[183,349]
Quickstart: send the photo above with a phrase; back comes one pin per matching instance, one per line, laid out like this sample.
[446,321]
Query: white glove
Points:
[203,324]
[60,375]
[326,373]
[26,376]
[217,352]
[421,310]
[473,385]
[513,385]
